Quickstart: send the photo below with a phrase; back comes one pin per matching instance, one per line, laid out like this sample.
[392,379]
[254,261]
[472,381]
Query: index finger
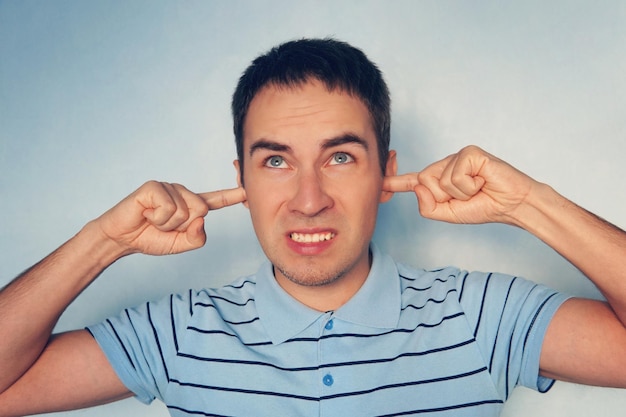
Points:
[401,183]
[224,198]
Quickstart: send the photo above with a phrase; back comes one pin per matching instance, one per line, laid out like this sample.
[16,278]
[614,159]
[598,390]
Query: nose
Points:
[310,197]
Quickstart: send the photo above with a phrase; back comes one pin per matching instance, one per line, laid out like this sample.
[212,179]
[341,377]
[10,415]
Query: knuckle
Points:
[457,177]
[422,177]
[224,200]
[201,210]
[178,187]
[470,149]
[148,187]
[446,182]
[168,207]
[180,215]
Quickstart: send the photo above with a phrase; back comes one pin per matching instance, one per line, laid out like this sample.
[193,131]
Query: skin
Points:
[157,219]
[312,170]
[296,182]
[586,339]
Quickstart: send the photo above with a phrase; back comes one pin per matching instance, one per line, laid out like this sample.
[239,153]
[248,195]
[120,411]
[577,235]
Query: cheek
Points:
[263,204]
[361,199]
[261,220]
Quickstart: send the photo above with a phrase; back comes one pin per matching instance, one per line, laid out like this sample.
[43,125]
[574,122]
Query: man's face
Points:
[313,183]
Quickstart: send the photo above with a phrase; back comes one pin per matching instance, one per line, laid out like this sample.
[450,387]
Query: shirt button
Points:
[329,325]
[328,380]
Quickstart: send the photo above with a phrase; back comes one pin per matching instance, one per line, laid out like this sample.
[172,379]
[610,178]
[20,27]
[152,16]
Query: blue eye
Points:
[341,158]
[275,161]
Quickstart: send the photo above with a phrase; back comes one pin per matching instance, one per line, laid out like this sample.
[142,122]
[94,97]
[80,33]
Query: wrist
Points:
[97,246]
[541,211]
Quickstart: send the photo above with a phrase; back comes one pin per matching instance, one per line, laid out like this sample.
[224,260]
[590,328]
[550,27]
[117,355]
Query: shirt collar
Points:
[376,304]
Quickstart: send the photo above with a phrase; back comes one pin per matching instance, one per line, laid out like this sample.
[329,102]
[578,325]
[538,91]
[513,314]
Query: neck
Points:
[331,295]
[326,297]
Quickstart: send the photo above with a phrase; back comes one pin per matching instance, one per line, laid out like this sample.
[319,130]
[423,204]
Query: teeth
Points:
[311,237]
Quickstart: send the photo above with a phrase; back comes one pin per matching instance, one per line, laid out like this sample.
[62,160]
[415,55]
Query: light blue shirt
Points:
[410,342]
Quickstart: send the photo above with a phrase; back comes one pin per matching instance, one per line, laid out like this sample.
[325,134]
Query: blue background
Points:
[97,97]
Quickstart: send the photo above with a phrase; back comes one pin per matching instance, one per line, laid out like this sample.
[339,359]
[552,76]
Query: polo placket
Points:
[331,385]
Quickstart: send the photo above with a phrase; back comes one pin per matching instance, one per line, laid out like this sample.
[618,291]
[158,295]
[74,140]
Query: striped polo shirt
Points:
[410,342]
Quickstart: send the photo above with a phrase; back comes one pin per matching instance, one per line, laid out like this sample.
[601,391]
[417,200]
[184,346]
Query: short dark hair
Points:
[338,65]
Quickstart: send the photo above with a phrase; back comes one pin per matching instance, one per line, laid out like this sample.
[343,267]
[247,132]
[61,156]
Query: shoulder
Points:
[180,308]
[235,295]
[238,291]
[471,289]
[431,280]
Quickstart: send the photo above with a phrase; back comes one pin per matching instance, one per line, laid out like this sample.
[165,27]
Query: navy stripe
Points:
[243,284]
[407,278]
[431,300]
[495,342]
[360,335]
[420,325]
[463,280]
[173,323]
[199,413]
[482,304]
[245,362]
[532,323]
[330,397]
[328,365]
[406,384]
[508,366]
[225,333]
[238,323]
[244,391]
[402,355]
[329,336]
[440,409]
[409,287]
[217,297]
[156,339]
[234,323]
[117,336]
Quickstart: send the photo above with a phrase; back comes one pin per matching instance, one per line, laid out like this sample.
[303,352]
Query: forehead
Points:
[306,111]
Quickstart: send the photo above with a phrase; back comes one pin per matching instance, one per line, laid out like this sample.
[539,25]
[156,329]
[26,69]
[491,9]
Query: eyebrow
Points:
[343,139]
[327,144]
[268,145]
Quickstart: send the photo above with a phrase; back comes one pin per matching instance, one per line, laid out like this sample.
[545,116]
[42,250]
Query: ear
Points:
[239,183]
[391,170]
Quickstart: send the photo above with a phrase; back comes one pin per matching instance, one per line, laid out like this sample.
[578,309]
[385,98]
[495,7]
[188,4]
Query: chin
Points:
[310,277]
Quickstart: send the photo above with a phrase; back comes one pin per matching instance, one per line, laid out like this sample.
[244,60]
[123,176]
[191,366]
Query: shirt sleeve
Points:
[139,342]
[509,317]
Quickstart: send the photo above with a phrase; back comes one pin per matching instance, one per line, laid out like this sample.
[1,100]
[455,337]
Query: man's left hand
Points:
[471,186]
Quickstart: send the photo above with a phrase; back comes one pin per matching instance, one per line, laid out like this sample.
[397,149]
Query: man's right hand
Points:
[158,219]
[162,218]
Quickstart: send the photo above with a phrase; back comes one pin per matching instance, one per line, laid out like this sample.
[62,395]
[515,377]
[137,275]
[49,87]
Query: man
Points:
[329,325]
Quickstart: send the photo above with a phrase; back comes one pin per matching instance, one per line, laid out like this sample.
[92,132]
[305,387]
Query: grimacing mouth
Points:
[311,237]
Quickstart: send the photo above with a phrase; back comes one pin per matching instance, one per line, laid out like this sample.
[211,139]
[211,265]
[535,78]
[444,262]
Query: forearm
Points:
[593,245]
[31,305]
